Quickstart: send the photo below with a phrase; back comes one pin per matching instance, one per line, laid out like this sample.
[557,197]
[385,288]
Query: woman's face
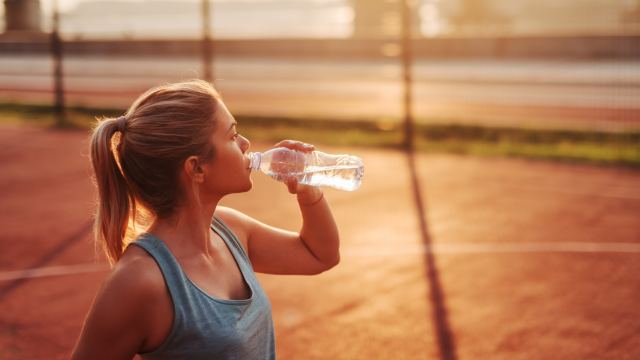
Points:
[228,172]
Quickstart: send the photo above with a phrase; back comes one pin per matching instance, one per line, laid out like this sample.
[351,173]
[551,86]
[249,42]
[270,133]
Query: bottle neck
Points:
[255,159]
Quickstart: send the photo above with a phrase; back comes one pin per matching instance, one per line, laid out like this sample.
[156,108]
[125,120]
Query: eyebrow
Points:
[232,125]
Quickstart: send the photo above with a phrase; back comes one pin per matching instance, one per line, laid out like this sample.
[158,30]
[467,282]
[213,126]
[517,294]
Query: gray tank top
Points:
[205,327]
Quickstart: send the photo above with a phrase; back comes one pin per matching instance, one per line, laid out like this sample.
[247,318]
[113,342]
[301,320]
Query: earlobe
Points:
[194,169]
[199,174]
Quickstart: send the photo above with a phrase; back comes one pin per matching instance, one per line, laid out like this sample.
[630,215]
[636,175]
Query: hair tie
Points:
[121,122]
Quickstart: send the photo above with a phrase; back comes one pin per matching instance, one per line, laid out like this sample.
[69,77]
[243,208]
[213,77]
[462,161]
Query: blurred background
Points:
[502,140]
[481,72]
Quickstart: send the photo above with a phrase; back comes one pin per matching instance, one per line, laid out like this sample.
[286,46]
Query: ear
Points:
[193,169]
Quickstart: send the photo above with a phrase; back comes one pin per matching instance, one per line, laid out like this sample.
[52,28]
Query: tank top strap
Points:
[176,280]
[219,227]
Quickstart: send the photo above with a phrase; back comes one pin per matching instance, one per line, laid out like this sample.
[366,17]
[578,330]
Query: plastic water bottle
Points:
[342,172]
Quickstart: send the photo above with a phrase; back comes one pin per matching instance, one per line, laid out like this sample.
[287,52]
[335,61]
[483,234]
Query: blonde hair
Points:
[136,158]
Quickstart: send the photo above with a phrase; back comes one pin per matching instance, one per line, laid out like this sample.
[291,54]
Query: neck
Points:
[186,230]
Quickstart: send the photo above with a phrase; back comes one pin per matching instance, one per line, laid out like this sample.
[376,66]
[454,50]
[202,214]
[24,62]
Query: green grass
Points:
[595,153]
[557,145]
[44,116]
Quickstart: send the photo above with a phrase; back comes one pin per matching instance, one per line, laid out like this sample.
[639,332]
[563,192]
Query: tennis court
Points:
[513,258]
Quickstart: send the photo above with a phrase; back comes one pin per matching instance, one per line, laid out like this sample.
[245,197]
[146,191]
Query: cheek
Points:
[228,175]
[229,168]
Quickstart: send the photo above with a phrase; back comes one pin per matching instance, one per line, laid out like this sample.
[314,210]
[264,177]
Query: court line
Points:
[474,248]
[369,251]
[52,271]
[46,258]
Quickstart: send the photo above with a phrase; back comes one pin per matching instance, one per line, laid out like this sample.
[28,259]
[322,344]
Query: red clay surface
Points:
[535,260]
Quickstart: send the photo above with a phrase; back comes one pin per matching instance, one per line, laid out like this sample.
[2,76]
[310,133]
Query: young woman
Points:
[184,286]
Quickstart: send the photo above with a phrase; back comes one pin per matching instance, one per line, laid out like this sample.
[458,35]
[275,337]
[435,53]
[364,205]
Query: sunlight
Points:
[431,19]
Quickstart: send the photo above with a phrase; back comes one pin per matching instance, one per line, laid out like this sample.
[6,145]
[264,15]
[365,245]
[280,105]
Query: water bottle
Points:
[342,172]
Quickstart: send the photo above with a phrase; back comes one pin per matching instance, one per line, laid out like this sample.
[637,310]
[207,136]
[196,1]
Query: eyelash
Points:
[235,136]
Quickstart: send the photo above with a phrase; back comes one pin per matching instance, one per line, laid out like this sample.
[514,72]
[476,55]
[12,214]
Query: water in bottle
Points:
[342,172]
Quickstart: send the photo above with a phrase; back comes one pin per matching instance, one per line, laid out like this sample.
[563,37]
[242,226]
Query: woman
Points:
[185,287]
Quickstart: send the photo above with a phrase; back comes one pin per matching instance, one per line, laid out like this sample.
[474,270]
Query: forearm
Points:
[319,231]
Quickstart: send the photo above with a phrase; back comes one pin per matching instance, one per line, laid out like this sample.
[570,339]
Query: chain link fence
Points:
[477,68]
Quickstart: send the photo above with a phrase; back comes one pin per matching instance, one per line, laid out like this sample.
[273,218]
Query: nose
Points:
[245,144]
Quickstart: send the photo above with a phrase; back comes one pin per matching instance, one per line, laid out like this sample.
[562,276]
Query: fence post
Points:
[56,53]
[207,45]
[407,74]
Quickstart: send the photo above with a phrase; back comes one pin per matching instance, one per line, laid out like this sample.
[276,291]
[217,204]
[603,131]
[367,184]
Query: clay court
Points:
[465,257]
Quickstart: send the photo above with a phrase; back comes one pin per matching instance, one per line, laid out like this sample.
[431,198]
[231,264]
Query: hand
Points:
[295,145]
[306,194]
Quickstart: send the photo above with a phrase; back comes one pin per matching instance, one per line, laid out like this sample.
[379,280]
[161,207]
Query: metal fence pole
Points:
[56,53]
[207,45]
[407,74]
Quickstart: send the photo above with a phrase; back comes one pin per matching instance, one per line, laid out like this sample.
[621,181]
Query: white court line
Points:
[372,251]
[472,248]
[52,271]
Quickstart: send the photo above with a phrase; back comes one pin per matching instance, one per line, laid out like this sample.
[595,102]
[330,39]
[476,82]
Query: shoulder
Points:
[237,221]
[135,288]
[230,215]
[137,272]
[134,283]
[127,314]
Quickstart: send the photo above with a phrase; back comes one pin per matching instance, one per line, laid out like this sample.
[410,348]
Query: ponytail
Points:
[116,204]
[137,179]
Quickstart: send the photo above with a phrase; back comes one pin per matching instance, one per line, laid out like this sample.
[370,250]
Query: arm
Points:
[319,231]
[275,251]
[117,323]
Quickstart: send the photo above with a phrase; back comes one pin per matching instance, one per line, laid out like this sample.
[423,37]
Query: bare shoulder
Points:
[135,289]
[239,222]
[232,215]
[133,283]
[137,269]
[124,318]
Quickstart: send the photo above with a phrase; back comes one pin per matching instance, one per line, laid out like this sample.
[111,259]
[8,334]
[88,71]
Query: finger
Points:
[292,185]
[295,145]
[308,147]
[285,143]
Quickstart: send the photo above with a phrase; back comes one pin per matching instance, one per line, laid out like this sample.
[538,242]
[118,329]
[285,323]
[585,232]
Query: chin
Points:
[248,186]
